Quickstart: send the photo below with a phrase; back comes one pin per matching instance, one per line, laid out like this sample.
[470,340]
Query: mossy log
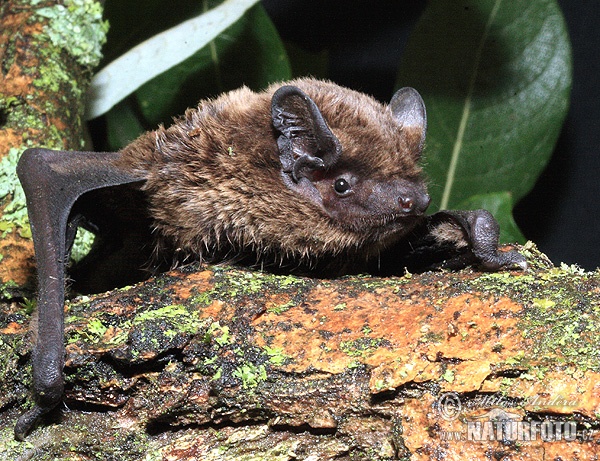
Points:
[47,51]
[219,363]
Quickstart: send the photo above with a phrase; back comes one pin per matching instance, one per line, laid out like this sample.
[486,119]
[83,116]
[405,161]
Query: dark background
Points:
[365,42]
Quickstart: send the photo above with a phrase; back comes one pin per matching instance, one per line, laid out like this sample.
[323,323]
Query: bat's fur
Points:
[215,185]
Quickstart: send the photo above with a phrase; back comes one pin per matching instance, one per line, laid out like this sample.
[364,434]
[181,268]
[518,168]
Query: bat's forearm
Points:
[52,182]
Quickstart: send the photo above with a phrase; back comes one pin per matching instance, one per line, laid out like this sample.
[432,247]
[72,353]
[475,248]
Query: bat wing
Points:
[52,181]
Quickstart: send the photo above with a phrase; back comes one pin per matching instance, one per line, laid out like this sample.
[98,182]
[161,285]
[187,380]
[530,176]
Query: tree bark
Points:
[218,363]
[45,69]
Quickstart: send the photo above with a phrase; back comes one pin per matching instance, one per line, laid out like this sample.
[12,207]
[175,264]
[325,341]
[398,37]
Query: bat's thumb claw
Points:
[502,260]
[515,260]
[521,263]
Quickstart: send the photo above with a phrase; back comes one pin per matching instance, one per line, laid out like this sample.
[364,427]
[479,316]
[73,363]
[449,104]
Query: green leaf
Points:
[157,54]
[222,65]
[131,23]
[495,76]
[122,124]
[500,204]
[249,52]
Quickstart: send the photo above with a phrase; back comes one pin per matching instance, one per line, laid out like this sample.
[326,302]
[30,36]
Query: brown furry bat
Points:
[308,176]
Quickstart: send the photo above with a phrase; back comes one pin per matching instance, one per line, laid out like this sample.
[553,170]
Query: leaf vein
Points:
[458,143]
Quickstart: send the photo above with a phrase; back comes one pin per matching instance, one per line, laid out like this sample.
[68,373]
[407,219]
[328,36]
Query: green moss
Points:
[280,309]
[569,330]
[189,320]
[362,347]
[202,299]
[250,375]
[561,318]
[164,324]
[77,26]
[242,283]
[52,74]
[276,355]
[92,332]
[230,284]
[150,330]
[11,448]
[96,327]
[448,376]
[354,364]
[82,244]
[6,289]
[28,305]
[12,196]
[219,334]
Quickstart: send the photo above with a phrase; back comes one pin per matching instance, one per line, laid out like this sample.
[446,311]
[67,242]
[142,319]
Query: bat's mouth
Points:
[394,219]
[391,226]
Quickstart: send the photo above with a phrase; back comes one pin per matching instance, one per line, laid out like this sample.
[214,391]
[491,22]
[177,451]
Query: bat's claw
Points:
[26,422]
[499,260]
[474,235]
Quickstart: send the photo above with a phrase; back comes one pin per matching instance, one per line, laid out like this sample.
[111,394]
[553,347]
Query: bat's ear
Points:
[305,142]
[409,111]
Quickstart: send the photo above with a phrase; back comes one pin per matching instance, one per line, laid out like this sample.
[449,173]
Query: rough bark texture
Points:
[225,364]
[45,64]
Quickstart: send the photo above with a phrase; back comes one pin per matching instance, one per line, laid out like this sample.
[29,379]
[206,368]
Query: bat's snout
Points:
[414,203]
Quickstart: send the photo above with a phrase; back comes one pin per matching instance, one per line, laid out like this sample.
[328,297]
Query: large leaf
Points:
[495,76]
[131,24]
[249,52]
[157,54]
[123,125]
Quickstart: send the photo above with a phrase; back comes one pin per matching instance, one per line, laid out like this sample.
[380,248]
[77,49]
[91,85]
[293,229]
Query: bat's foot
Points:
[484,232]
[48,387]
[27,420]
[474,236]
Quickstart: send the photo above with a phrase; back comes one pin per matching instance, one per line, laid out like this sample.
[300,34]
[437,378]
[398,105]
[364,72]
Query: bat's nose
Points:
[415,204]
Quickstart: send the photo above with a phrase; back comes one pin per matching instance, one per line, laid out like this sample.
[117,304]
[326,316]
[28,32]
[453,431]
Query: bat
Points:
[306,176]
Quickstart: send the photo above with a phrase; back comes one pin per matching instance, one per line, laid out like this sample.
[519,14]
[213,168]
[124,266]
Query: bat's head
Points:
[355,159]
[299,172]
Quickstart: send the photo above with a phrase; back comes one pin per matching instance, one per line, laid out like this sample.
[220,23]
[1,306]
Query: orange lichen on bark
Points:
[403,339]
[561,392]
[430,437]
[423,367]
[20,270]
[41,103]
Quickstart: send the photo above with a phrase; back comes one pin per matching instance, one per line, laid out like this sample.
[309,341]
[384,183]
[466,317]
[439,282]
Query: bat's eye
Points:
[342,187]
